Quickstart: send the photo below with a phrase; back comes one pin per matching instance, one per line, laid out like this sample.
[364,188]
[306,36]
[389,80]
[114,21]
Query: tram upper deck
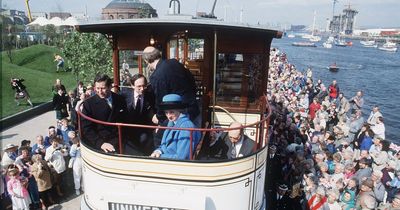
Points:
[230,65]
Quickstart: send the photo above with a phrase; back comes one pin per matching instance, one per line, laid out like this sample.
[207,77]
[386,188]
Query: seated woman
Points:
[175,144]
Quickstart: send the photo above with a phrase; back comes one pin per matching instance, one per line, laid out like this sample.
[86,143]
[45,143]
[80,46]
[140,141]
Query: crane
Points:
[28,9]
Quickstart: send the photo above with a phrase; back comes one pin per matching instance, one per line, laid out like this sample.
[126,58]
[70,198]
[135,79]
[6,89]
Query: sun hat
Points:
[9,146]
[172,101]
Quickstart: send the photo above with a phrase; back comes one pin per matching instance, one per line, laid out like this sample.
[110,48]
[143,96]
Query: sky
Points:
[372,13]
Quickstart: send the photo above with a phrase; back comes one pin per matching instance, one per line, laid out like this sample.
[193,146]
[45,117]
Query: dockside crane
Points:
[28,9]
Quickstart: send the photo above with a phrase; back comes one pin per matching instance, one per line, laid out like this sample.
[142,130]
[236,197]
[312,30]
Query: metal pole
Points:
[120,139]
[191,145]
[215,75]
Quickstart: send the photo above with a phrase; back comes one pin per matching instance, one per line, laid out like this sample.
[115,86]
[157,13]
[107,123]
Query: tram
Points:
[230,64]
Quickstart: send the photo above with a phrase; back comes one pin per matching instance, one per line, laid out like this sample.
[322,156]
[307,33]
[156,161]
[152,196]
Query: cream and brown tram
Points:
[230,66]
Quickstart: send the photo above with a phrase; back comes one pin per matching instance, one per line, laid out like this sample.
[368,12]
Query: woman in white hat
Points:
[175,144]
[9,156]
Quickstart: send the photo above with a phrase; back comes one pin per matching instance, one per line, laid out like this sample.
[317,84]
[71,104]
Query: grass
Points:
[35,65]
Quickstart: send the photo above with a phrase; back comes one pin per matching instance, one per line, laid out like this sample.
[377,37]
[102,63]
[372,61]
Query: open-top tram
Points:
[230,66]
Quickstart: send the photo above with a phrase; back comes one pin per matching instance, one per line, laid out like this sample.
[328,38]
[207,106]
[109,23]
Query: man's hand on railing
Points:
[107,147]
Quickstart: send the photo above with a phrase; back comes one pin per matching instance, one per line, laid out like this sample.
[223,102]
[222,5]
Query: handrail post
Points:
[191,146]
[120,140]
[79,125]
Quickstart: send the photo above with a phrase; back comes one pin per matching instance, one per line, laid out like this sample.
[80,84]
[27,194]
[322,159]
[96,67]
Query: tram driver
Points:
[175,144]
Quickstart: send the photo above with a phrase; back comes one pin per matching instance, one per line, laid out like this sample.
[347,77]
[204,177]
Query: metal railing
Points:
[262,124]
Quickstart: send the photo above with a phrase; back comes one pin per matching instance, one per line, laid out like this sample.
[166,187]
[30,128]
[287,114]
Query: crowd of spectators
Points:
[42,173]
[323,153]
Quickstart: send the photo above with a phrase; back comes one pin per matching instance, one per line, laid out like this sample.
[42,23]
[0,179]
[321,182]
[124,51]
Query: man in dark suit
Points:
[170,76]
[105,106]
[140,105]
[238,143]
[279,200]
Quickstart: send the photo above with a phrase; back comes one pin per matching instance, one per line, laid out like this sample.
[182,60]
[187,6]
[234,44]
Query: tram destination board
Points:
[124,206]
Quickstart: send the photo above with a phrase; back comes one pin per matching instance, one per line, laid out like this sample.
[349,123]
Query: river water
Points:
[375,72]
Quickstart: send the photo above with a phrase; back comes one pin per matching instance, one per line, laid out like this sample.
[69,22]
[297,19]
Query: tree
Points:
[7,37]
[87,54]
[51,33]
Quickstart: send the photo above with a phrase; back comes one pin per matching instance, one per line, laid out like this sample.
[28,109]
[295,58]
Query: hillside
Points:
[36,65]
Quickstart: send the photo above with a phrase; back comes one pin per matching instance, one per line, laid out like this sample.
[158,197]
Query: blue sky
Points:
[372,13]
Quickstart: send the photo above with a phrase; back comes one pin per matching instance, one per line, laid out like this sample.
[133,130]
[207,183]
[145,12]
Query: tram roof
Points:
[188,22]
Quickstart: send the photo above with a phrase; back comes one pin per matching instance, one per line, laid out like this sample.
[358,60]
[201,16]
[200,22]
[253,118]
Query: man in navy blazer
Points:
[140,106]
[105,106]
[239,145]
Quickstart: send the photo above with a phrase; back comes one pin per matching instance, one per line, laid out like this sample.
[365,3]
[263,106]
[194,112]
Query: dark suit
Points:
[279,203]
[169,77]
[95,107]
[140,137]
[246,149]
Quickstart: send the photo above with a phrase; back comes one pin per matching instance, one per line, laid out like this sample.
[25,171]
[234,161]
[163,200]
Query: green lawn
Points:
[35,65]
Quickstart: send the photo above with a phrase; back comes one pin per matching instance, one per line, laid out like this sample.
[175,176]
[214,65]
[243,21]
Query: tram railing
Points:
[263,128]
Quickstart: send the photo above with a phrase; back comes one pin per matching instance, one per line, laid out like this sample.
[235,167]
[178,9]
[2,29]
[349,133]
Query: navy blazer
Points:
[95,107]
[170,77]
[145,116]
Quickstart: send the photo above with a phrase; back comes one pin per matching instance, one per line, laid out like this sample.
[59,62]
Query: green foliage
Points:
[35,65]
[88,54]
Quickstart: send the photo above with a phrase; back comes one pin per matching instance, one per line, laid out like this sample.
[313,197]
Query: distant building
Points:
[297,27]
[377,32]
[128,9]
[344,23]
[62,15]
[38,14]
[14,16]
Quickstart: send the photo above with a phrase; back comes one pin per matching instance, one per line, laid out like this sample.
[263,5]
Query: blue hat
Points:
[172,101]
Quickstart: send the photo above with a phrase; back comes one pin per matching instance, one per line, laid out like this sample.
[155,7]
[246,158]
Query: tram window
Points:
[128,65]
[238,79]
[196,49]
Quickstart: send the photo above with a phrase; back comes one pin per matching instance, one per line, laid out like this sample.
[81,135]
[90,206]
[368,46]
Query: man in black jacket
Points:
[140,106]
[105,106]
[169,77]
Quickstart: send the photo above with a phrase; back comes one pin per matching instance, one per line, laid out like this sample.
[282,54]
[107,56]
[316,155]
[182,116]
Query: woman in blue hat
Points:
[175,144]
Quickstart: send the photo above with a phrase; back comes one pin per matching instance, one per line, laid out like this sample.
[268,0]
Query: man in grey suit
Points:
[239,145]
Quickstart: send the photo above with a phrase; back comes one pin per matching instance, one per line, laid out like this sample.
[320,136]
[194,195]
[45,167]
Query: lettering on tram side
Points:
[124,206]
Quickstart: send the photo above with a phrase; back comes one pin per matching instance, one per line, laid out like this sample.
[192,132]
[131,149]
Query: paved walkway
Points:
[29,130]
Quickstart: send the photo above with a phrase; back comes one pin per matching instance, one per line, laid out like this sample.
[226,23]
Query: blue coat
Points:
[175,144]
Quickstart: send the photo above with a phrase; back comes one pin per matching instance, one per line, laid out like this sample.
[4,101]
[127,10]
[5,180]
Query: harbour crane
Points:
[28,9]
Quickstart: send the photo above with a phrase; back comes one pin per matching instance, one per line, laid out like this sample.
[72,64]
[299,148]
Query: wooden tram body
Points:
[230,65]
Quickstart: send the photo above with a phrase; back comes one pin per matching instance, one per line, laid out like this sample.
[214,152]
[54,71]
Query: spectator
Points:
[60,61]
[42,173]
[60,104]
[39,147]
[55,156]
[373,116]
[20,91]
[9,155]
[76,158]
[16,188]
[357,101]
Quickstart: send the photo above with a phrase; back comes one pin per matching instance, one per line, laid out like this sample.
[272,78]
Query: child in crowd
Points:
[17,190]
[76,159]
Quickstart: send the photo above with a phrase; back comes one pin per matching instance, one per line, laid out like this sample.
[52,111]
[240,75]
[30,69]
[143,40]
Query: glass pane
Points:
[128,65]
[238,79]
[196,49]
